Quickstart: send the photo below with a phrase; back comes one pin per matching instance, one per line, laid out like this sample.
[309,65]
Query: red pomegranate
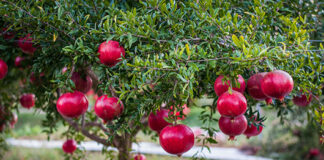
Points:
[27,100]
[185,112]
[314,152]
[157,121]
[26,44]
[18,61]
[277,84]
[83,83]
[252,130]
[254,87]
[231,104]
[7,35]
[232,126]
[3,69]
[302,100]
[69,146]
[177,139]
[36,79]
[72,104]
[110,53]
[220,87]
[108,108]
[139,157]
[14,120]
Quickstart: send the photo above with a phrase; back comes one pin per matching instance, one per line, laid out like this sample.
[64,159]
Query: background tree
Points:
[174,51]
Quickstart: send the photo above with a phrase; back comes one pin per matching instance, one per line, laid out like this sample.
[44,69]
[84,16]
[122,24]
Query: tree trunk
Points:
[124,147]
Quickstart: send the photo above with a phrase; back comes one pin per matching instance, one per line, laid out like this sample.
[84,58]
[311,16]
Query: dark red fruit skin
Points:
[232,126]
[26,44]
[220,87]
[3,69]
[313,152]
[157,121]
[252,130]
[69,146]
[7,35]
[82,84]
[177,139]
[18,61]
[108,108]
[110,53]
[231,104]
[27,100]
[72,104]
[254,87]
[139,157]
[302,100]
[277,84]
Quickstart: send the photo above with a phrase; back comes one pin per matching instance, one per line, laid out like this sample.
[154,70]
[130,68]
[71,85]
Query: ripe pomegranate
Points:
[7,35]
[302,100]
[220,87]
[26,44]
[108,108]
[231,104]
[252,130]
[27,100]
[185,111]
[277,84]
[3,69]
[18,61]
[232,126]
[139,157]
[72,104]
[254,87]
[110,53]
[14,120]
[314,152]
[69,146]
[36,79]
[83,83]
[177,139]
[157,121]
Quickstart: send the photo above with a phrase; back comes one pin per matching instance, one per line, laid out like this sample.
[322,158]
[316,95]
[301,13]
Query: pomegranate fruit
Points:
[14,120]
[185,112]
[277,84]
[83,83]
[72,104]
[3,69]
[27,100]
[7,35]
[252,130]
[110,53]
[26,44]
[313,152]
[157,121]
[302,100]
[232,126]
[69,146]
[254,87]
[220,87]
[231,104]
[177,139]
[18,61]
[139,157]
[108,108]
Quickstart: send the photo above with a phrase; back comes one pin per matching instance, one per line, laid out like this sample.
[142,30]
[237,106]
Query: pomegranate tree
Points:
[177,139]
[110,53]
[69,146]
[254,87]
[72,104]
[231,104]
[157,122]
[27,100]
[108,108]
[83,83]
[232,126]
[3,69]
[220,87]
[277,84]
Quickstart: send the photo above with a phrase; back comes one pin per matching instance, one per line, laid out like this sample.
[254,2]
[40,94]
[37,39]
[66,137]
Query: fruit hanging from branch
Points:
[177,139]
[156,121]
[231,104]
[69,146]
[139,157]
[302,100]
[232,126]
[254,88]
[83,83]
[277,84]
[27,100]
[72,104]
[110,53]
[221,87]
[18,61]
[3,69]
[108,108]
[253,130]
[26,44]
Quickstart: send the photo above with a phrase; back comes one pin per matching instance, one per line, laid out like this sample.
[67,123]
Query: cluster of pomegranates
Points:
[232,104]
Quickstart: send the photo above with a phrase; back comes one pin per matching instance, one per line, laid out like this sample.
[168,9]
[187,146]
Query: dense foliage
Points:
[174,51]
